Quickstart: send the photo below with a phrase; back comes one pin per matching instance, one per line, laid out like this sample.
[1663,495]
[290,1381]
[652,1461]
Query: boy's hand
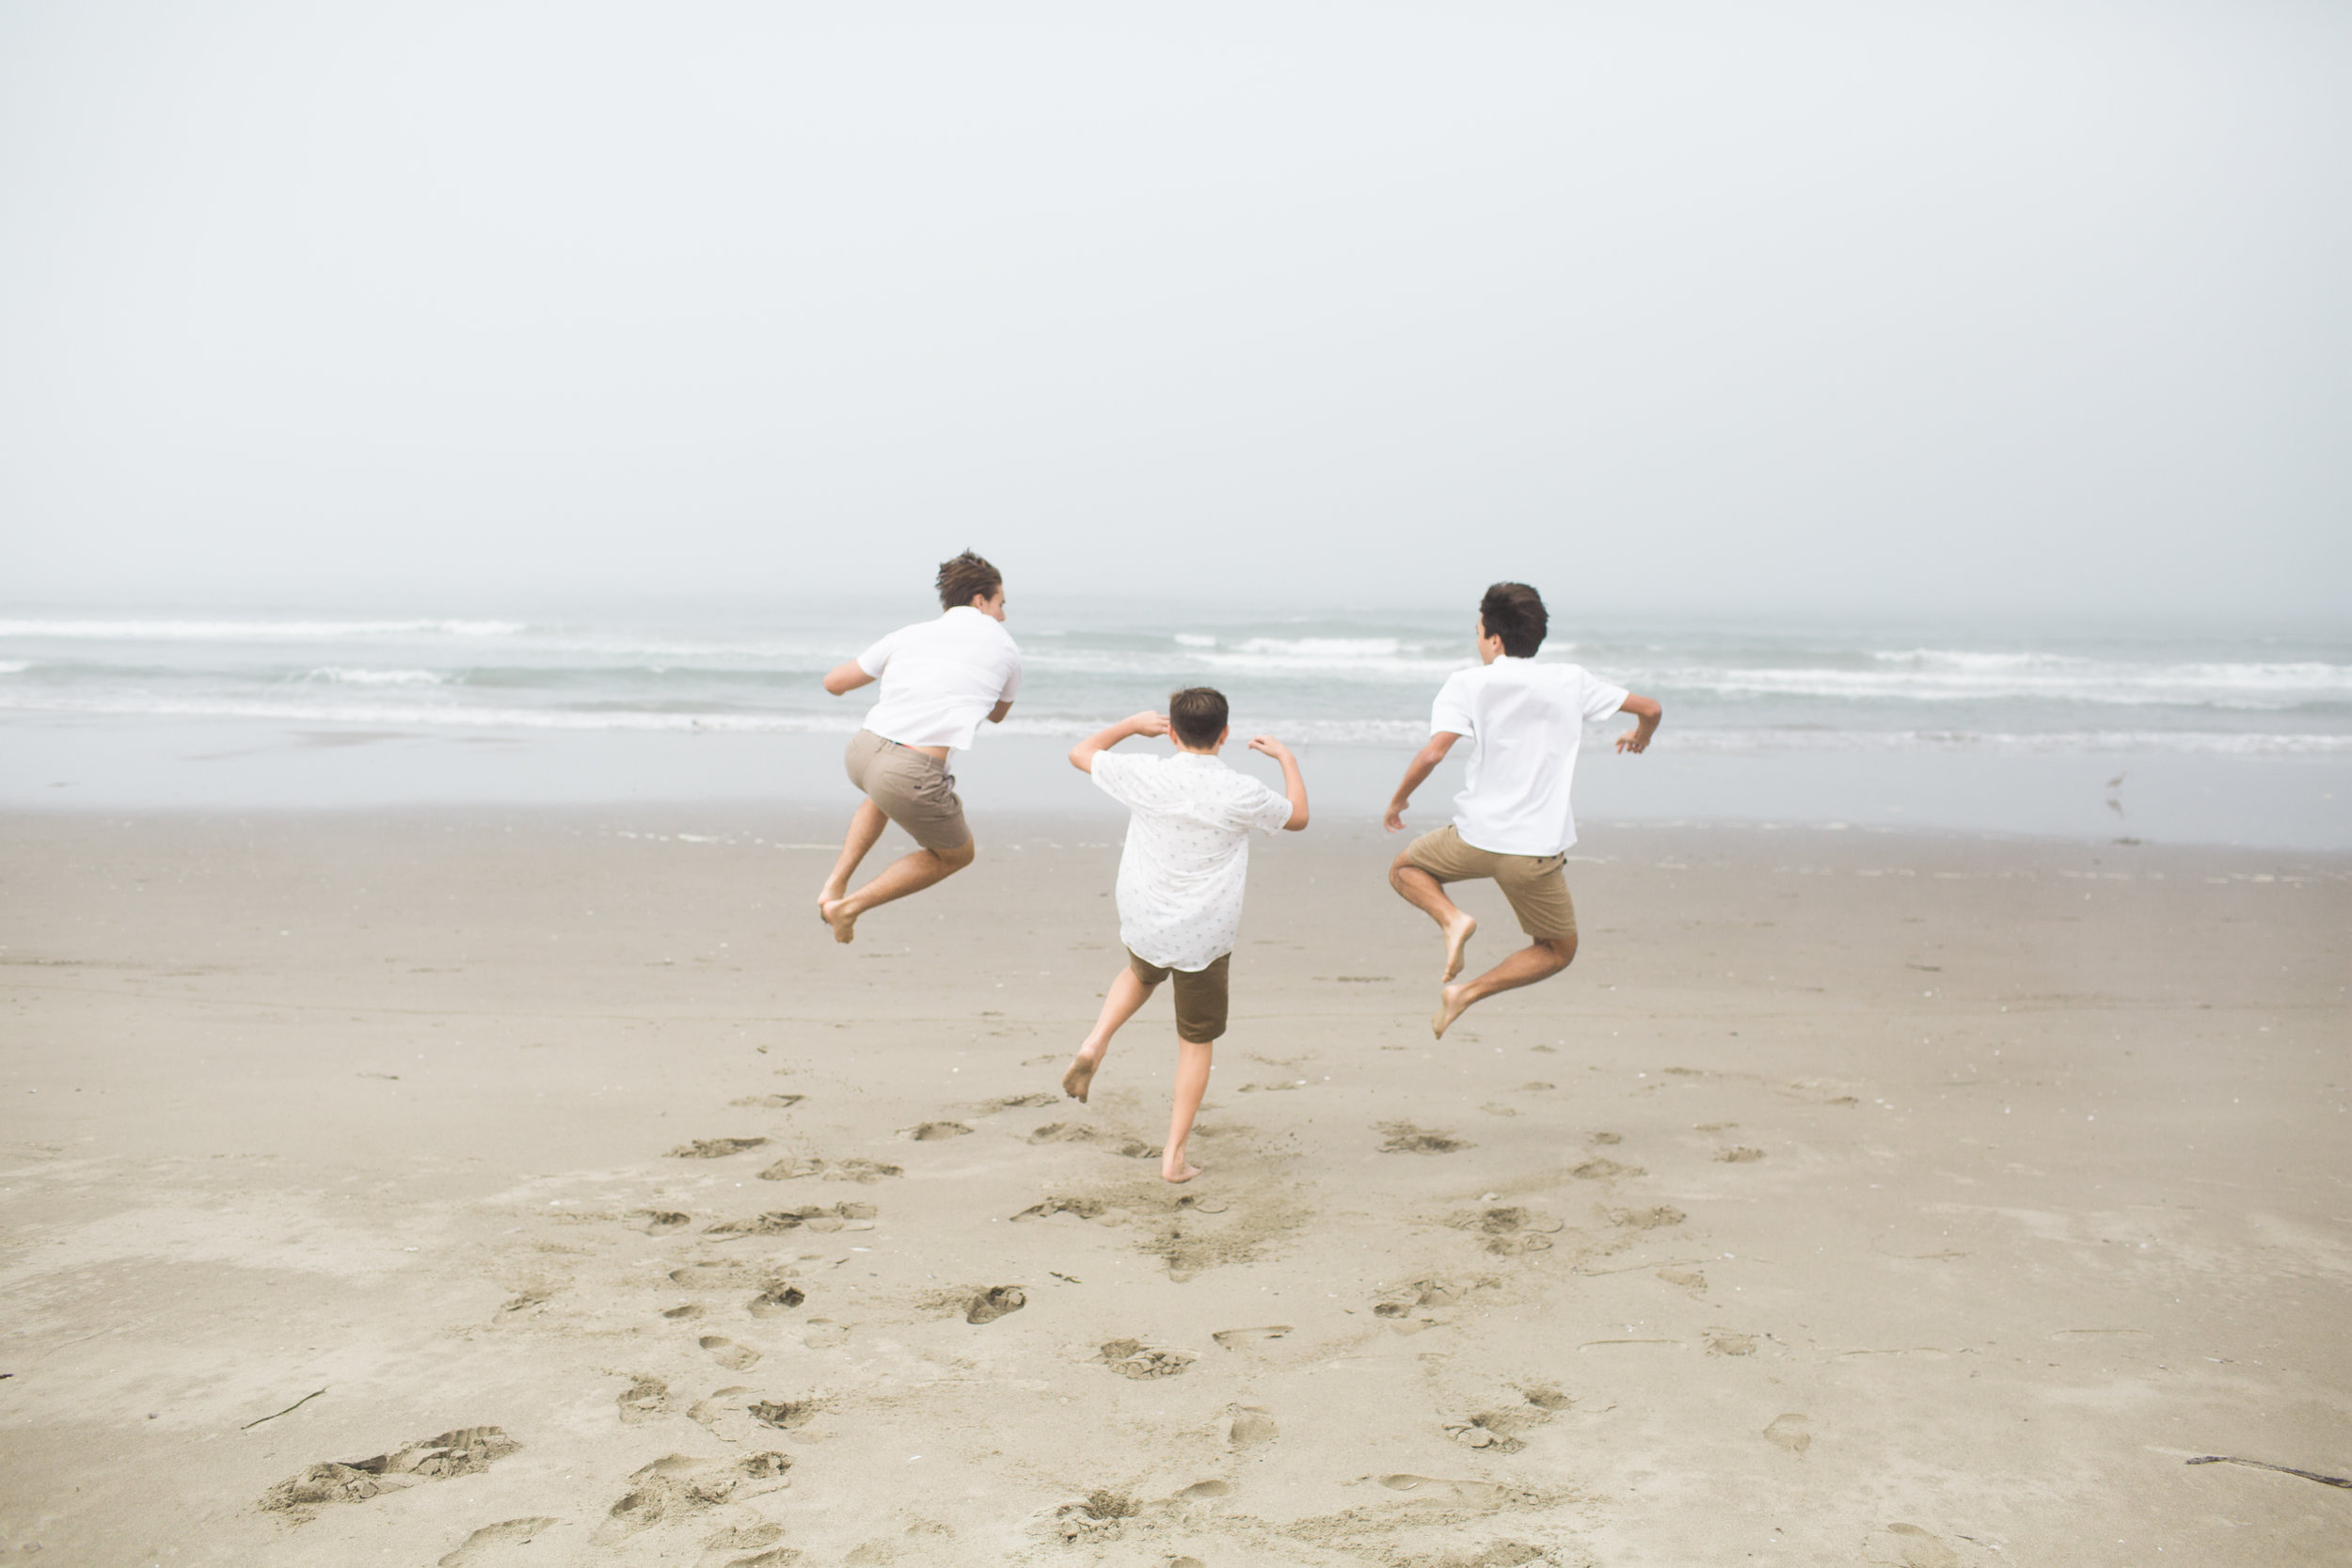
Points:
[1148,723]
[1395,820]
[1270,745]
[1635,739]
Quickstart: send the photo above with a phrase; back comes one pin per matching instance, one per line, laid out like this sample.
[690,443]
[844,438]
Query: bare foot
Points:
[844,924]
[1081,1075]
[1452,1006]
[1456,943]
[829,893]
[1179,1171]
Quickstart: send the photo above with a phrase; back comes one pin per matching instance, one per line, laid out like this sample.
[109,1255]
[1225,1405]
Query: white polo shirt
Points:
[940,678]
[1525,722]
[1187,856]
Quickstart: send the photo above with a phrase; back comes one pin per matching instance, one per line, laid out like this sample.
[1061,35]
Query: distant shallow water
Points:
[2216,739]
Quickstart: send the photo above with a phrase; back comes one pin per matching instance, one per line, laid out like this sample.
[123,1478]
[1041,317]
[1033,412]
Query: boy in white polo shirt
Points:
[1511,822]
[939,679]
[1180,884]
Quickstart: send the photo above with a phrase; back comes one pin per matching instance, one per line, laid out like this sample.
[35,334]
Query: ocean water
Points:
[90,691]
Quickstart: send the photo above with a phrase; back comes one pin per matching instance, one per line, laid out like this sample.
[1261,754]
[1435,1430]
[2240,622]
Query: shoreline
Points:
[1855,1196]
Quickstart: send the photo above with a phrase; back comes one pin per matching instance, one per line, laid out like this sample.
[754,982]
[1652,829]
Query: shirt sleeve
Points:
[1115,776]
[1601,699]
[1012,677]
[1270,813]
[1451,713]
[876,658]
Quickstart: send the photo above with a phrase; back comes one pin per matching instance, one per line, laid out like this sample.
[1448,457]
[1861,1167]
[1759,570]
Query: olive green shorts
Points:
[1535,884]
[912,788]
[1201,995]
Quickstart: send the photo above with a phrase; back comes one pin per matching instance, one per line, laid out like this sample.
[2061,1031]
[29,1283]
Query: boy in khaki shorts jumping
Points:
[939,679]
[1511,822]
[1180,884]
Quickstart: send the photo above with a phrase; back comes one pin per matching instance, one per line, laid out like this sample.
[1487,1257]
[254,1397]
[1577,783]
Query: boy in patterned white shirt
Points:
[1180,884]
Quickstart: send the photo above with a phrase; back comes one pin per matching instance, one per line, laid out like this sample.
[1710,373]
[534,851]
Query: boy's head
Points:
[1514,612]
[965,578]
[1197,715]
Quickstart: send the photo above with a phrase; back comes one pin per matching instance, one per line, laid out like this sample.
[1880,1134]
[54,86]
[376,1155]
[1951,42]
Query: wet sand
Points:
[1854,1198]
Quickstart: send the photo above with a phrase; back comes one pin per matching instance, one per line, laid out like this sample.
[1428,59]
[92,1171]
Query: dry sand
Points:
[1855,1199]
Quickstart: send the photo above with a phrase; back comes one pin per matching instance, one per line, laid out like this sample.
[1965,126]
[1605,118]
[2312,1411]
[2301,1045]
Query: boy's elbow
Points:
[1297,824]
[1082,759]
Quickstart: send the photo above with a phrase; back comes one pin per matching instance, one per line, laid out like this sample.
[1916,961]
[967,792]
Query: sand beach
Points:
[486,1188]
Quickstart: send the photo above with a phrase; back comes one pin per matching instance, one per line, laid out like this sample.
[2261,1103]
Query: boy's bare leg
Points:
[1427,895]
[1192,1082]
[866,828]
[910,873]
[1126,993]
[1545,958]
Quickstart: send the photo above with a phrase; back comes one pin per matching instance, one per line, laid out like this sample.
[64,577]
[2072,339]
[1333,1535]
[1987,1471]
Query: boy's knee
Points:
[1563,950]
[960,856]
[1399,866]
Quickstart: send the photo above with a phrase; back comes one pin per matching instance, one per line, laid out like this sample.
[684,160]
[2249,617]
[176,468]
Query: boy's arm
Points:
[846,677]
[1647,711]
[1082,754]
[996,714]
[1294,782]
[1417,772]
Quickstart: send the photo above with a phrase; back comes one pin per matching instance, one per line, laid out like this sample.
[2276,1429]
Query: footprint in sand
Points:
[660,1222]
[679,1487]
[733,1357]
[1498,1431]
[646,1400]
[464,1451]
[1912,1547]
[1509,1231]
[1250,1426]
[994,1303]
[747,1538]
[1097,1519]
[1405,1300]
[1204,1490]
[1025,1103]
[714,1149]
[931,1132]
[1791,1431]
[1132,1358]
[1742,1155]
[864,1172]
[776,1301]
[841,1217]
[1604,1138]
[1081,1208]
[1235,1338]
[1647,1219]
[770,1102]
[679,1314]
[492,1545]
[1602,1169]
[1725,1341]
[1405,1138]
[1690,1279]
[1079,1133]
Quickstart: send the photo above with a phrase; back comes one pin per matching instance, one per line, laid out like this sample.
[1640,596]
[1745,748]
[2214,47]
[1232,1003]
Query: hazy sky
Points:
[1759,306]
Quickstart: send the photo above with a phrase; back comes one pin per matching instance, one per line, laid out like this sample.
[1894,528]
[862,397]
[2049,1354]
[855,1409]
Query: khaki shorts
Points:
[912,788]
[1201,995]
[1534,884]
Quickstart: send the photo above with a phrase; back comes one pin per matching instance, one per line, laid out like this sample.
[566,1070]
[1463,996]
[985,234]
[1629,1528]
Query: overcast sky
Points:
[1763,306]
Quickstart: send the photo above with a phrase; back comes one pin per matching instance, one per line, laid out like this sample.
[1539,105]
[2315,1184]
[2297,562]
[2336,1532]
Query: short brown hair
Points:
[1515,613]
[1198,713]
[965,578]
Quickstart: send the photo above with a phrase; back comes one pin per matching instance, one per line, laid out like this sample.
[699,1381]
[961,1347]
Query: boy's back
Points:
[1187,861]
